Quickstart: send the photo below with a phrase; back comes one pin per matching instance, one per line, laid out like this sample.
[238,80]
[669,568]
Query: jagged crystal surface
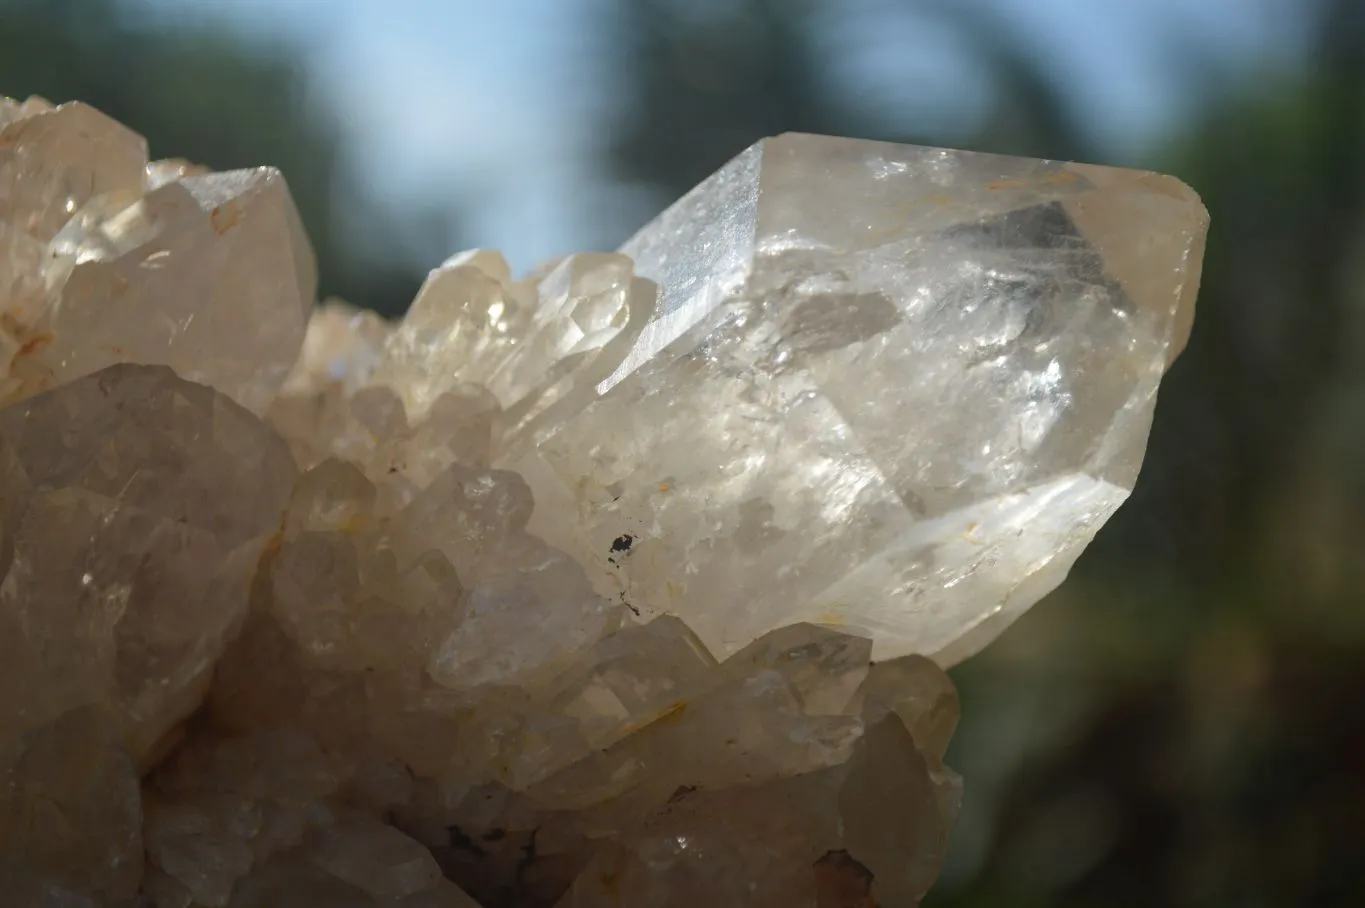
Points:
[564,589]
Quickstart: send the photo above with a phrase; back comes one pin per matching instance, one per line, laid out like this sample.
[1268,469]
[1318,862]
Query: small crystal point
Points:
[55,159]
[212,275]
[890,388]
[541,345]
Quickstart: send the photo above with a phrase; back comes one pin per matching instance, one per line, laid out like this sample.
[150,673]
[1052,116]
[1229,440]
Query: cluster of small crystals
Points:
[553,594]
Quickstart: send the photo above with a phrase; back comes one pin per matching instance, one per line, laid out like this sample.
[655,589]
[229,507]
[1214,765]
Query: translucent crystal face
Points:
[889,388]
[105,258]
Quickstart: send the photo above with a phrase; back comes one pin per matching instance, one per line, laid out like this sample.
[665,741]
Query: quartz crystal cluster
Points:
[627,583]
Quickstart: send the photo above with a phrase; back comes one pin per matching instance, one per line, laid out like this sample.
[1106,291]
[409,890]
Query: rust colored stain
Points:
[224,218]
[36,342]
[677,709]
[842,882]
[271,549]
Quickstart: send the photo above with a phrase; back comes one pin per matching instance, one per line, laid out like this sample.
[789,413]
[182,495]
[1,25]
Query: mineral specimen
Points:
[565,590]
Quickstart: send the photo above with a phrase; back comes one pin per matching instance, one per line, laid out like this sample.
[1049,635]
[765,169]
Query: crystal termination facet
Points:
[888,388]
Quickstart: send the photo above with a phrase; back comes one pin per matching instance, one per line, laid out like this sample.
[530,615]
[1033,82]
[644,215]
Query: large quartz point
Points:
[887,388]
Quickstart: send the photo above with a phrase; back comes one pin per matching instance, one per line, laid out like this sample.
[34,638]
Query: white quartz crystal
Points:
[888,388]
[564,590]
[208,273]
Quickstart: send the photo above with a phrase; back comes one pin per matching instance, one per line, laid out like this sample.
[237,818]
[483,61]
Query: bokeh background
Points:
[1183,723]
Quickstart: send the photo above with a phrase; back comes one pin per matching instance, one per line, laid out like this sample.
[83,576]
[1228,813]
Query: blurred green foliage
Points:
[1181,725]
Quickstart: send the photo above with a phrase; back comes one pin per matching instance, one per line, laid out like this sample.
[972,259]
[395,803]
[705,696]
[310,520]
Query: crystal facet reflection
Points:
[888,388]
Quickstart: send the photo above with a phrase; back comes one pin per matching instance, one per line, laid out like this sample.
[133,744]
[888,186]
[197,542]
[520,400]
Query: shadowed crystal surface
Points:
[564,590]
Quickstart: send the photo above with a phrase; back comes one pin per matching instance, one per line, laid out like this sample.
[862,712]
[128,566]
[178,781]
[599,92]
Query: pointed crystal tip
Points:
[887,387]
